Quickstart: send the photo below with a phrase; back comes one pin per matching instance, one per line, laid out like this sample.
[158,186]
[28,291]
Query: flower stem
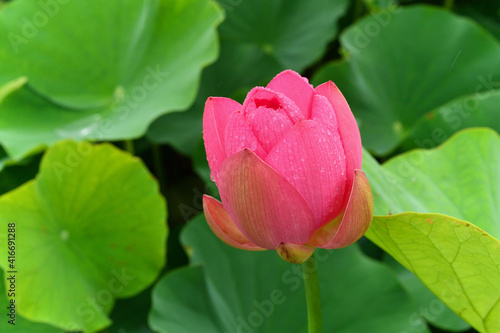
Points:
[310,272]
[129,146]
[157,162]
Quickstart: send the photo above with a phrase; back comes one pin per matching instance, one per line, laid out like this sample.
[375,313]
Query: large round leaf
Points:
[453,257]
[106,80]
[398,69]
[18,323]
[294,32]
[230,290]
[15,174]
[259,38]
[478,110]
[90,228]
[429,306]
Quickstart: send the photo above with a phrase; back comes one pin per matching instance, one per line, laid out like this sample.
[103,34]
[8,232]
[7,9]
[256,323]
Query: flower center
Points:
[272,103]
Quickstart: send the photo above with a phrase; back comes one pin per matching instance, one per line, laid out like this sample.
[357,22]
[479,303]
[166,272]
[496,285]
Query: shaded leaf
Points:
[396,69]
[228,289]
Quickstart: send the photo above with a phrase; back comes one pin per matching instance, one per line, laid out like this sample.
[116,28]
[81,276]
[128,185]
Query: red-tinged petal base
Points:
[223,227]
[294,253]
[355,220]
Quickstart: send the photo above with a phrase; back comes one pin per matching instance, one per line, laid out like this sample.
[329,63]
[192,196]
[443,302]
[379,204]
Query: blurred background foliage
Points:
[413,72]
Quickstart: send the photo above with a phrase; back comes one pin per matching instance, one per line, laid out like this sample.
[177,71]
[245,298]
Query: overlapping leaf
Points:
[458,257]
[106,80]
[398,69]
[259,38]
[477,110]
[227,290]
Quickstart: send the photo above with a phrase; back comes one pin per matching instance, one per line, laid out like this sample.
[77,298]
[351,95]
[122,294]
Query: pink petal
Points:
[356,219]
[239,135]
[348,129]
[295,87]
[223,227]
[268,126]
[322,112]
[260,96]
[215,117]
[264,206]
[312,159]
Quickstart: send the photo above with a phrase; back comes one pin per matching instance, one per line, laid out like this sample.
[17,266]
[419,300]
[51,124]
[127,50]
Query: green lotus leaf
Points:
[19,324]
[478,110]
[102,81]
[259,39]
[397,69]
[89,229]
[486,13]
[230,290]
[457,258]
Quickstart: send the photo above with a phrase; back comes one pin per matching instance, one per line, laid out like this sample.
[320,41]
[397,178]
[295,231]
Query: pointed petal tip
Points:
[355,221]
[223,226]
[294,253]
[327,86]
[215,117]
[295,87]
[293,73]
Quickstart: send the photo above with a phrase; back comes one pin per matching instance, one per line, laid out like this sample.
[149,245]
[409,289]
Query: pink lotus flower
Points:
[287,164]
